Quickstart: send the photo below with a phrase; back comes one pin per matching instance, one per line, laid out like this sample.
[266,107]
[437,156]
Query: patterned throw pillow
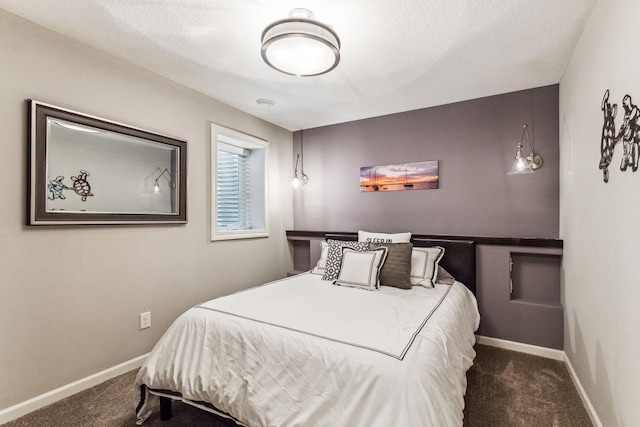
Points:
[334,256]
[360,269]
[396,270]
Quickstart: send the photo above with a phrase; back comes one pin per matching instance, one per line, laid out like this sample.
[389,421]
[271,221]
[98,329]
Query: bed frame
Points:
[459,260]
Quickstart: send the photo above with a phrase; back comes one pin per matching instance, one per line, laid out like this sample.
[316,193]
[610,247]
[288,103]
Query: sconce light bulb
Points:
[156,187]
[522,164]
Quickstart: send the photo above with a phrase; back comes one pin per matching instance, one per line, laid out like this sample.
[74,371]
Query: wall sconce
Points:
[527,164]
[303,179]
[156,188]
[156,184]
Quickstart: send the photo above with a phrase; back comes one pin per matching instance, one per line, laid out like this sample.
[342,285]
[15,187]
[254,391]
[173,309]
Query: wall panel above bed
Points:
[475,144]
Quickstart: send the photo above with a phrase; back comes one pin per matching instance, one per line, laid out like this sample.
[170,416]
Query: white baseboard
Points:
[23,408]
[549,353]
[583,394]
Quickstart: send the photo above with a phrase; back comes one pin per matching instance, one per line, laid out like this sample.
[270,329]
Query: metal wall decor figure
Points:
[629,134]
[55,188]
[80,186]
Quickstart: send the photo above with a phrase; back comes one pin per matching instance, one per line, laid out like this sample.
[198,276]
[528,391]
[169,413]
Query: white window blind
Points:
[239,185]
[234,189]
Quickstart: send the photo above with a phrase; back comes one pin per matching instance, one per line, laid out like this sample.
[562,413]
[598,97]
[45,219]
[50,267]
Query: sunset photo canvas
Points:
[400,176]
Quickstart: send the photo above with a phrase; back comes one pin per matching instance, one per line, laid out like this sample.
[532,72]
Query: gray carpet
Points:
[509,389]
[505,388]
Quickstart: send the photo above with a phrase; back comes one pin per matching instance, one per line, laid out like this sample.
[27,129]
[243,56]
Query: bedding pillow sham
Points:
[396,270]
[334,256]
[322,262]
[361,269]
[365,236]
[424,265]
[444,277]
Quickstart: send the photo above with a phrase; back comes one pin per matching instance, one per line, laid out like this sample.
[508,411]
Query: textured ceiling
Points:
[397,55]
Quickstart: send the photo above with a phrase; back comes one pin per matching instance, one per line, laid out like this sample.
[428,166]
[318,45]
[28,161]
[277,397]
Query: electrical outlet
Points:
[145,320]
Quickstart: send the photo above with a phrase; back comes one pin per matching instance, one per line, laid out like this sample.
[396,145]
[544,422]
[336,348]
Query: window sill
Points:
[239,234]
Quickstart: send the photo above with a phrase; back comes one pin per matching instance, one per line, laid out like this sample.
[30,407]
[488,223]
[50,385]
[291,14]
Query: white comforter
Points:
[303,352]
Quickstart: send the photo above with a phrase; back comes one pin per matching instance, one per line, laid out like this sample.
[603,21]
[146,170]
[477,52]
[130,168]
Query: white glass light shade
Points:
[156,187]
[296,182]
[300,47]
[521,164]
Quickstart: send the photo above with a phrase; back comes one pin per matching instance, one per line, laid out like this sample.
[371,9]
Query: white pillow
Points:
[424,265]
[365,236]
[360,269]
[322,262]
[334,256]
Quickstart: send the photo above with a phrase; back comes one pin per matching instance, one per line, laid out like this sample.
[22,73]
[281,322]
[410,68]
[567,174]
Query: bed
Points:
[304,352]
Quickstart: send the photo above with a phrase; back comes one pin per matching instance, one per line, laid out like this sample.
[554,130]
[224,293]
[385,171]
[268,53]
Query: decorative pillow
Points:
[360,269]
[322,262]
[424,265]
[334,256]
[444,277]
[396,269]
[365,236]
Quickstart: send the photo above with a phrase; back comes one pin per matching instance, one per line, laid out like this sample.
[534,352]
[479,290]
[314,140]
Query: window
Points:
[239,185]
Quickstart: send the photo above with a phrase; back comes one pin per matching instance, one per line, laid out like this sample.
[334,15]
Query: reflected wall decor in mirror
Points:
[88,170]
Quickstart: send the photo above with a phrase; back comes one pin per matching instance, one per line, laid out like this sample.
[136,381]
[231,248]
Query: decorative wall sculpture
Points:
[80,186]
[629,134]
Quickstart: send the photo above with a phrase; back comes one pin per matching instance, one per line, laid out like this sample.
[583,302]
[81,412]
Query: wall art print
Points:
[400,176]
[628,134]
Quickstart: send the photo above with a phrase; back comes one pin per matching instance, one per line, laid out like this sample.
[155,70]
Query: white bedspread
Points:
[303,352]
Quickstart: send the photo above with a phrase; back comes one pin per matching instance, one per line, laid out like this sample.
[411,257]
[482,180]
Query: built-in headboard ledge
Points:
[459,256]
[479,240]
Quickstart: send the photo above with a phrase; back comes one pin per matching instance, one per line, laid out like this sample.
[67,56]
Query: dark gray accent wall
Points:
[524,305]
[475,143]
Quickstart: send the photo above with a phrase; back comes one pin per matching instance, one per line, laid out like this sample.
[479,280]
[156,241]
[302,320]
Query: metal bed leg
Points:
[165,409]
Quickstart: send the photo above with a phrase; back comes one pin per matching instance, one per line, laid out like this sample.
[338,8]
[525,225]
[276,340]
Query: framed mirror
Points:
[88,170]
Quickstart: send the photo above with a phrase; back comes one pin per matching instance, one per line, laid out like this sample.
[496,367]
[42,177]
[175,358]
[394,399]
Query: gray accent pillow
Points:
[334,256]
[396,270]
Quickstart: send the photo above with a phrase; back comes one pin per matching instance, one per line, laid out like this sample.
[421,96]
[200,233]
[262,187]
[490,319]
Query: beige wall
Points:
[599,221]
[70,297]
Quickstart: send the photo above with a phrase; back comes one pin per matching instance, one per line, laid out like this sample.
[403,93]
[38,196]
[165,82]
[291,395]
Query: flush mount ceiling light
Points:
[300,45]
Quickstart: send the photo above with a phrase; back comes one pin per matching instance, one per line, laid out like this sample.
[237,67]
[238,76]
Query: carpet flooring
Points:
[505,388]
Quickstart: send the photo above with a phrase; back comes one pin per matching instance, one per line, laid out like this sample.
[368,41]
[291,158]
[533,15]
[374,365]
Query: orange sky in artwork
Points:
[397,174]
